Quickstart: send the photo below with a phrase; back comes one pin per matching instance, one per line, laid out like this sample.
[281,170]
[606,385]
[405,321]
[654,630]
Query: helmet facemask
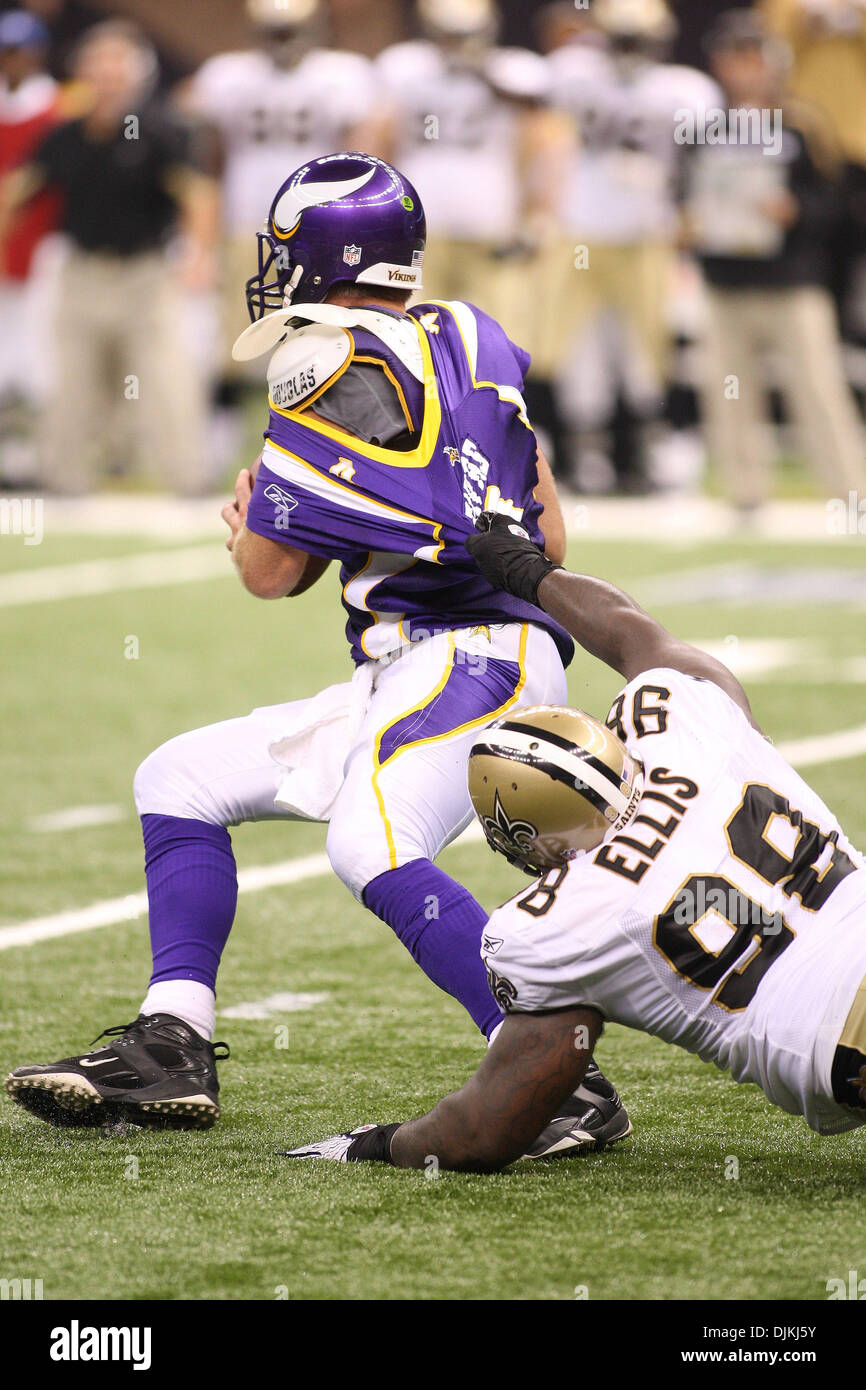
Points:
[265,295]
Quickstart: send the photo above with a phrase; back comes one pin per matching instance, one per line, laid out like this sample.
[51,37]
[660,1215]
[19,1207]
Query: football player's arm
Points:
[16,189]
[611,626]
[198,199]
[536,1061]
[602,618]
[546,147]
[267,569]
[551,521]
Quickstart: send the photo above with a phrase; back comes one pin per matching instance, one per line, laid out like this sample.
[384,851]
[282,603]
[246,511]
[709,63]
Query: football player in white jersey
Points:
[608,282]
[268,109]
[468,122]
[693,887]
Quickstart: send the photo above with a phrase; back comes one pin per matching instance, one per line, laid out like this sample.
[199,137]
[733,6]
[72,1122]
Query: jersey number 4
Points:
[811,872]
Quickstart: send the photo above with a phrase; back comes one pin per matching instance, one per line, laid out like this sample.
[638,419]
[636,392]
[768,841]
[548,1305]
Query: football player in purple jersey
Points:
[390,430]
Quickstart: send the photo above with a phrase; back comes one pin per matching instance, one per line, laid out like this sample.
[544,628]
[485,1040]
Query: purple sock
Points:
[192,893]
[445,945]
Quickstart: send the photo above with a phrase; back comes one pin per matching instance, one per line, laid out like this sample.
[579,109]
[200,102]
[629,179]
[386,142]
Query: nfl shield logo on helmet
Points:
[351,254]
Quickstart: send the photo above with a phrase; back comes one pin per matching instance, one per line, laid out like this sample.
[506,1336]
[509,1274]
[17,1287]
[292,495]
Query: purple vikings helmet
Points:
[342,217]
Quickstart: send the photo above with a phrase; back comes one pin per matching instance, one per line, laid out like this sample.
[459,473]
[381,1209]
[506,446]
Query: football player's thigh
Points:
[405,794]
[639,282]
[570,300]
[223,773]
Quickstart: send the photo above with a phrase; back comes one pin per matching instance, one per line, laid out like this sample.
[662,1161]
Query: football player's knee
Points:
[347,853]
[163,786]
[359,852]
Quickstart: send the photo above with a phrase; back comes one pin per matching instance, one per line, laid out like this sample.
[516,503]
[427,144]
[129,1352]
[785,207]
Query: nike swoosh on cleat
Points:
[83,1062]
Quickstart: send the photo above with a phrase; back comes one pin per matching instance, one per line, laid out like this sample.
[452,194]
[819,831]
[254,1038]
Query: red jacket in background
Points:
[25,116]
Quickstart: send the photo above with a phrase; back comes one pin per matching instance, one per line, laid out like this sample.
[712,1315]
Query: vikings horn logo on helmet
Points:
[339,218]
[298,196]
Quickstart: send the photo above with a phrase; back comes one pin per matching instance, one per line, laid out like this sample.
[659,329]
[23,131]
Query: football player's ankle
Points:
[188,1000]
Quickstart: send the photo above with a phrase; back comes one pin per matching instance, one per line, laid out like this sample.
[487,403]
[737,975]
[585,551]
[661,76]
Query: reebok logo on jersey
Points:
[491,944]
[284,501]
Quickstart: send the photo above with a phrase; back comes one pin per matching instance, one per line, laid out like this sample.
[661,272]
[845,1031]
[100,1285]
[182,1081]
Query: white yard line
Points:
[77,817]
[285,1003]
[113,910]
[682,521]
[804,752]
[150,570]
[825,748]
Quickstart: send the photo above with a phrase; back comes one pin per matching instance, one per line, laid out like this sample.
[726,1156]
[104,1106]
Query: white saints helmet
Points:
[550,782]
[642,20]
[459,20]
[283,14]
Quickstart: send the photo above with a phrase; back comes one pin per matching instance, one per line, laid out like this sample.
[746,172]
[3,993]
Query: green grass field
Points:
[220,1215]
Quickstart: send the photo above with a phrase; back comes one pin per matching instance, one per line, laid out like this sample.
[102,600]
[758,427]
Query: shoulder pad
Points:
[307,361]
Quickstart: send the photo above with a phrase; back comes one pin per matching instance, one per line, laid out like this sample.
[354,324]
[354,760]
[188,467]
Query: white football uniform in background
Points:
[271,120]
[620,190]
[607,322]
[456,137]
[765,996]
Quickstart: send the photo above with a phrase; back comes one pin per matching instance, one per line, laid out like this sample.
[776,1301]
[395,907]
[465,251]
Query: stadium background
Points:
[124,625]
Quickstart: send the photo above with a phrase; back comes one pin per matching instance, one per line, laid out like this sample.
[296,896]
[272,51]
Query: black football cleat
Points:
[157,1073]
[592,1118]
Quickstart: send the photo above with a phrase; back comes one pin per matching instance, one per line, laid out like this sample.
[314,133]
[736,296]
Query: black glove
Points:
[507,558]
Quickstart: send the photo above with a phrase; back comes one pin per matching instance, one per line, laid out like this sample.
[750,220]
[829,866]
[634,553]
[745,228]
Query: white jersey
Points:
[457,133]
[729,916]
[620,190]
[274,119]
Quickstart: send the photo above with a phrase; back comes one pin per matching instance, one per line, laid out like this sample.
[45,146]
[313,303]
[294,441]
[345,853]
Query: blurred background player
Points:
[468,122]
[266,110]
[523,156]
[124,387]
[608,285]
[762,220]
[827,43]
[29,106]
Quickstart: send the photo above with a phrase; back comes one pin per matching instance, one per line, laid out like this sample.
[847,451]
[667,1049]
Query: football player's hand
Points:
[234,514]
[367,1143]
[507,558]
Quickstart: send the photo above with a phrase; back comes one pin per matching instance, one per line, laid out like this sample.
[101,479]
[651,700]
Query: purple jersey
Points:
[397,521]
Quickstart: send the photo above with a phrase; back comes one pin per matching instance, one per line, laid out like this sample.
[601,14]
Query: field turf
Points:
[221,1215]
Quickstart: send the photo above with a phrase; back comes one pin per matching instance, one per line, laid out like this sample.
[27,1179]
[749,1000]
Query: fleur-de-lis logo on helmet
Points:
[513,838]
